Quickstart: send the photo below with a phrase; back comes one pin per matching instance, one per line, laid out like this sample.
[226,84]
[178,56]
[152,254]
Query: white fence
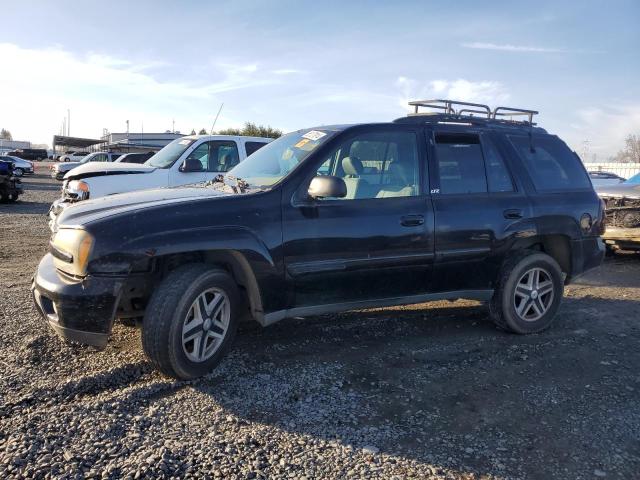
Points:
[625,170]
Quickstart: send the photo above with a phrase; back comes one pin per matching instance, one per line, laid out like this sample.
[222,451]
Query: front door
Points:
[375,243]
[217,156]
[478,208]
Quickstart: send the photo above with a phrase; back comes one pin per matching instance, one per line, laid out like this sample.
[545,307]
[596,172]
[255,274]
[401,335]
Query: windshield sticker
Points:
[302,143]
[184,142]
[314,135]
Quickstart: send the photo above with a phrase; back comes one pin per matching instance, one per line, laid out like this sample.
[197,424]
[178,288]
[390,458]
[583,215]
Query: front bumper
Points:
[80,311]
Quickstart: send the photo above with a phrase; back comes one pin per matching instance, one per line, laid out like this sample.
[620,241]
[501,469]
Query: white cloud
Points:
[512,48]
[604,128]
[103,91]
[488,92]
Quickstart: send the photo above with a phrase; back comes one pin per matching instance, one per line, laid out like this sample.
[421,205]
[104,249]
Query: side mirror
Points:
[191,165]
[327,186]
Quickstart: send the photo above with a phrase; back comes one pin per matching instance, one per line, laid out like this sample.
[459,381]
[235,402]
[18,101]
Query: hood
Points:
[97,169]
[620,190]
[66,166]
[91,210]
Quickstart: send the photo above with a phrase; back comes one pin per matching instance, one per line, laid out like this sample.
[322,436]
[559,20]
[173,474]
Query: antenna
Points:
[216,119]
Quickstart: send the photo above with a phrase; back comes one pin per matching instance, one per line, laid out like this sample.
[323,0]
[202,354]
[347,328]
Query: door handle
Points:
[412,220]
[512,213]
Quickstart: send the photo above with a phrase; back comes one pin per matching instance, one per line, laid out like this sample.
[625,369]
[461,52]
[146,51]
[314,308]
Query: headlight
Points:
[78,189]
[71,249]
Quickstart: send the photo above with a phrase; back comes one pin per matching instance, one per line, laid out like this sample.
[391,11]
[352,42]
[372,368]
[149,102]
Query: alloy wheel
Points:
[533,295]
[206,324]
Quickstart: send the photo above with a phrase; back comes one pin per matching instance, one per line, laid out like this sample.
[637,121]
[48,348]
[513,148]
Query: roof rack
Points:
[450,111]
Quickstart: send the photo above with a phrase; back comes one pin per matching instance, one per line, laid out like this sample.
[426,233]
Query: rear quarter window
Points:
[550,163]
[251,147]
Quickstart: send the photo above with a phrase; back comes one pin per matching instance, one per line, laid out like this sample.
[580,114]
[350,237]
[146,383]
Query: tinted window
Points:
[498,177]
[551,164]
[460,163]
[251,147]
[376,165]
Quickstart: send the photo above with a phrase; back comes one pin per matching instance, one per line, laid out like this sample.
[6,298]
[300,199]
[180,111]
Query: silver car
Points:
[21,166]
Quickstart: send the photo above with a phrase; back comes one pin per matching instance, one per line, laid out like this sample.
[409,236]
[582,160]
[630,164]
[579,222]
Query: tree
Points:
[252,130]
[631,151]
[193,131]
[5,135]
[202,132]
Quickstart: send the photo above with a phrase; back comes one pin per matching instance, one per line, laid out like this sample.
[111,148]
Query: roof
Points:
[75,141]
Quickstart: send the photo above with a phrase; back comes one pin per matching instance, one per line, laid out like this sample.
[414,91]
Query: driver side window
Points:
[201,153]
[376,165]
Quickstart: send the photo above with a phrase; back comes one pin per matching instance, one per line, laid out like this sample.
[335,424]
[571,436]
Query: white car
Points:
[73,157]
[186,160]
[59,170]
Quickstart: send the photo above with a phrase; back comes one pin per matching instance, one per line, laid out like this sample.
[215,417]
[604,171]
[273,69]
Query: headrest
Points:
[352,166]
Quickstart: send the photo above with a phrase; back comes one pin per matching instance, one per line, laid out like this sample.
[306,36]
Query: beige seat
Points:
[402,184]
[353,168]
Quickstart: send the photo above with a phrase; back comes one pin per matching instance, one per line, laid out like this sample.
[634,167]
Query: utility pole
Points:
[585,150]
[173,125]
[127,128]
[68,122]
[64,126]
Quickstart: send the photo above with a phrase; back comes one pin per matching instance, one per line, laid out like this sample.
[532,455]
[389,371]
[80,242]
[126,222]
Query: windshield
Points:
[275,160]
[88,158]
[170,153]
[635,180]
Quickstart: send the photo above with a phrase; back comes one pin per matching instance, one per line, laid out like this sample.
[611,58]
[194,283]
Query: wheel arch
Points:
[557,246]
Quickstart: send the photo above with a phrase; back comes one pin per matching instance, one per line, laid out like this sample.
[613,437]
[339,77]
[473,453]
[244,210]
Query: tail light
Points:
[601,227]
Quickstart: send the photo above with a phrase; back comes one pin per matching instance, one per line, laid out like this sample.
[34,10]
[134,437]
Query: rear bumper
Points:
[80,311]
[587,253]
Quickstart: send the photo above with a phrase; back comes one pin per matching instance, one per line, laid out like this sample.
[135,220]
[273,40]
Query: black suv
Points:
[432,206]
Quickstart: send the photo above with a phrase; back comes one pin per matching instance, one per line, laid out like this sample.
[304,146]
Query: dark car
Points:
[10,186]
[334,218]
[30,154]
[135,157]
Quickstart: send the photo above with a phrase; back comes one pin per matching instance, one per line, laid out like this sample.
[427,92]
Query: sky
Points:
[296,64]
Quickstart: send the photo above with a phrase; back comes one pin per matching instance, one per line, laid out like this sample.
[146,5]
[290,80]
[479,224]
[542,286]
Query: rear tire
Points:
[528,293]
[190,321]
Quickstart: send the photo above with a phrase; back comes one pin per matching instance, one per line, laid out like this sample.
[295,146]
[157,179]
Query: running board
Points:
[273,317]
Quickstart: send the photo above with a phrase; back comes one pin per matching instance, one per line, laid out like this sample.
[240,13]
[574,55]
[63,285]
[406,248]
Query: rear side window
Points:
[251,147]
[498,176]
[551,164]
[460,163]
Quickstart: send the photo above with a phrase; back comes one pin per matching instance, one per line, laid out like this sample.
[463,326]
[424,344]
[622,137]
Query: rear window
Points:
[251,147]
[551,164]
[460,163]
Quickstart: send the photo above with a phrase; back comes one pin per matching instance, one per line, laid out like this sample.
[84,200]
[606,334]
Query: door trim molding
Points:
[303,268]
[273,317]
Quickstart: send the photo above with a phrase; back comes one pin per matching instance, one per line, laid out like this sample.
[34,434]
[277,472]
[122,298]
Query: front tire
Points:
[18,172]
[528,293]
[190,321]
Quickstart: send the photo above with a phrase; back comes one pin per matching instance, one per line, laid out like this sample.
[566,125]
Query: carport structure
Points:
[74,143]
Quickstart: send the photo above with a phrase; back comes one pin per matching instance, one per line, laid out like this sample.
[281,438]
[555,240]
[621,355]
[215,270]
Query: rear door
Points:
[375,243]
[478,207]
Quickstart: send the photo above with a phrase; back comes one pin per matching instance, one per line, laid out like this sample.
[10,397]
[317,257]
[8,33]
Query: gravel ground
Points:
[428,391]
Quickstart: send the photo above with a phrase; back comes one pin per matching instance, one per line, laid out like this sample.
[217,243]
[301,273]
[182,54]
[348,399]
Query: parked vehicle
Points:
[186,160]
[429,207]
[135,157]
[622,214]
[72,156]
[30,154]
[10,186]
[59,170]
[20,166]
[601,179]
